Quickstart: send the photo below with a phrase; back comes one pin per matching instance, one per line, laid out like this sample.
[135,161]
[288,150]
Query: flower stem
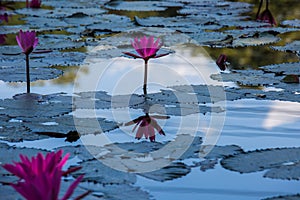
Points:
[145,77]
[27,73]
[260,4]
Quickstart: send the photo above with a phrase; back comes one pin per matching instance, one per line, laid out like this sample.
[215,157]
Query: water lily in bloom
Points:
[222,62]
[4,17]
[40,177]
[2,38]
[27,42]
[266,16]
[146,48]
[33,4]
[146,126]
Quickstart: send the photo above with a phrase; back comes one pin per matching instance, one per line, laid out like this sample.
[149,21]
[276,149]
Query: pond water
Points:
[252,116]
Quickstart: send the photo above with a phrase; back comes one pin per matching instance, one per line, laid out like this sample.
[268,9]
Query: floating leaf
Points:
[293,47]
[141,5]
[260,160]
[285,197]
[247,77]
[284,68]
[16,74]
[294,23]
[116,191]
[291,78]
[170,172]
[97,172]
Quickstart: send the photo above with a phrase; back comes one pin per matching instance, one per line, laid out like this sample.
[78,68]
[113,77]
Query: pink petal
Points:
[72,188]
[132,55]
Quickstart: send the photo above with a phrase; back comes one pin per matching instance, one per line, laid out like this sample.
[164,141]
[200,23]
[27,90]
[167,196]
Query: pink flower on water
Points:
[4,17]
[27,41]
[266,16]
[147,126]
[146,48]
[2,38]
[33,4]
[40,177]
[222,62]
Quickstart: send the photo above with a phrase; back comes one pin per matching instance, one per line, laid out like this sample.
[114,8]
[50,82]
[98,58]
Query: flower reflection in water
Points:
[147,125]
[265,16]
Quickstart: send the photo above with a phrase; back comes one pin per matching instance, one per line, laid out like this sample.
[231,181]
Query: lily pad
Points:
[247,77]
[97,172]
[16,74]
[24,109]
[116,191]
[293,47]
[287,172]
[173,171]
[255,40]
[294,23]
[111,23]
[140,5]
[267,159]
[285,197]
[284,68]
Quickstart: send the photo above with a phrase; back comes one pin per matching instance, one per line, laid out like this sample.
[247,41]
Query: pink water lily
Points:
[27,41]
[146,48]
[222,62]
[4,17]
[146,126]
[2,38]
[40,177]
[33,4]
[266,16]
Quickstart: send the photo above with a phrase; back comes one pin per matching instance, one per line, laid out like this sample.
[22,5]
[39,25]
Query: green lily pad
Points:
[272,160]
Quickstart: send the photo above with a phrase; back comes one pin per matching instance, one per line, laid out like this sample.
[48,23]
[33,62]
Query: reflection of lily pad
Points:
[276,161]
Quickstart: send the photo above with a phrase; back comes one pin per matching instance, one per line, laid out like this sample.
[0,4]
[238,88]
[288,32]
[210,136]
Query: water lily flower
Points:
[40,177]
[266,16]
[4,17]
[146,126]
[146,48]
[2,38]
[34,4]
[222,62]
[27,42]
